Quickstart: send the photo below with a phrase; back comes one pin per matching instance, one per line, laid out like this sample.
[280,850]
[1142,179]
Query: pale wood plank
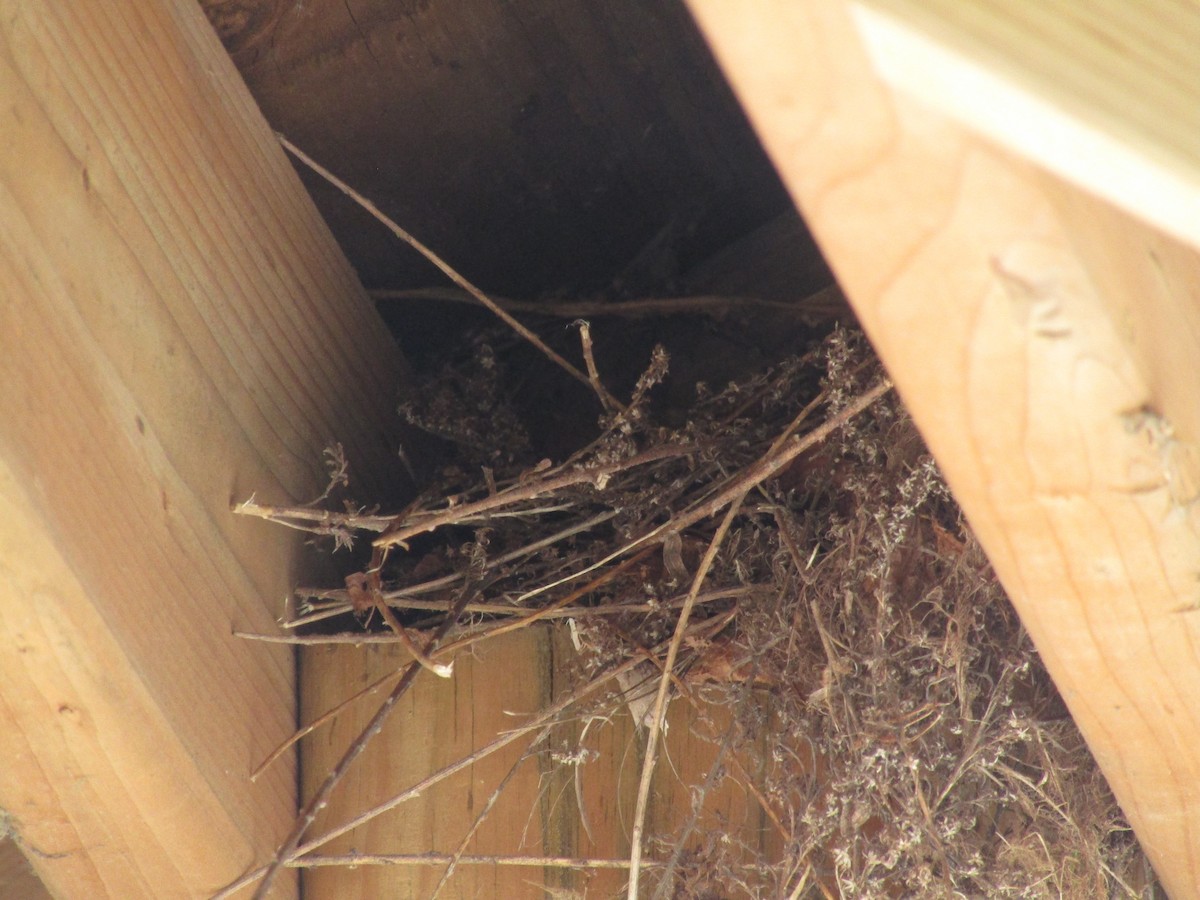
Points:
[1038,379]
[440,722]
[1104,94]
[178,329]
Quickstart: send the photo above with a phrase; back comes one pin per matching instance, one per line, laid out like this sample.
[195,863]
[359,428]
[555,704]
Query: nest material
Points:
[914,744]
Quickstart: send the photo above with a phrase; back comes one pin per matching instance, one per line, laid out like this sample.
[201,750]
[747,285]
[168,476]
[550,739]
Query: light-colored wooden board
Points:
[539,813]
[439,722]
[178,330]
[1105,94]
[1045,348]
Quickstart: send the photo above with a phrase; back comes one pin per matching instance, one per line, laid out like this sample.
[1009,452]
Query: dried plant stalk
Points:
[804,553]
[446,269]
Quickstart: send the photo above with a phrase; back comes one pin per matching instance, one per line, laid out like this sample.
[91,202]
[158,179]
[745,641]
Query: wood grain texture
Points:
[178,330]
[1043,346]
[1104,94]
[539,813]
[438,723]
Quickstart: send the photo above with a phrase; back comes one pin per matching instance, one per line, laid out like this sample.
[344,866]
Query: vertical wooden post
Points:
[177,330]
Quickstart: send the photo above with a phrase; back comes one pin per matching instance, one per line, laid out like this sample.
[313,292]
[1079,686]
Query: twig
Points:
[551,712]
[325,521]
[369,584]
[339,471]
[309,814]
[441,859]
[487,608]
[783,450]
[305,518]
[798,890]
[768,466]
[660,701]
[730,495]
[403,598]
[320,720]
[526,491]
[718,624]
[525,619]
[487,632]
[442,670]
[285,855]
[459,852]
[748,783]
[546,611]
[505,558]
[319,799]
[305,640]
[491,609]
[589,361]
[399,600]
[699,796]
[827,302]
[445,267]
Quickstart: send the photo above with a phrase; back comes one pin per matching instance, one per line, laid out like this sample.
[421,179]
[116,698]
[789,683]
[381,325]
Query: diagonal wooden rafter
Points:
[178,329]
[1045,343]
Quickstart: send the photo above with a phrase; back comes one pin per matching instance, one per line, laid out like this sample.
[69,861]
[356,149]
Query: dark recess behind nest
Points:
[538,145]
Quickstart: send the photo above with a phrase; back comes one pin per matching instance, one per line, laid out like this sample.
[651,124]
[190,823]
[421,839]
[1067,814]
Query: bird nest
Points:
[786,542]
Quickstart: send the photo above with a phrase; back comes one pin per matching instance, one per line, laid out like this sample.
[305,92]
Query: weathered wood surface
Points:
[539,812]
[1044,344]
[1106,95]
[178,330]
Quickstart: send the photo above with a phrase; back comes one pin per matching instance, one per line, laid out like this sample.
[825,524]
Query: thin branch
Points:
[825,303]
[767,467]
[487,608]
[748,783]
[445,267]
[326,521]
[783,450]
[442,670]
[700,794]
[494,609]
[327,716]
[321,798]
[292,849]
[589,361]
[403,598]
[306,640]
[305,518]
[460,852]
[583,612]
[441,859]
[660,700]
[285,856]
[550,713]
[526,491]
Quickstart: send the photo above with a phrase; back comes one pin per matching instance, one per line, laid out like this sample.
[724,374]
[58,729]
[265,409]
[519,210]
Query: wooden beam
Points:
[1107,95]
[178,330]
[551,808]
[1044,344]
